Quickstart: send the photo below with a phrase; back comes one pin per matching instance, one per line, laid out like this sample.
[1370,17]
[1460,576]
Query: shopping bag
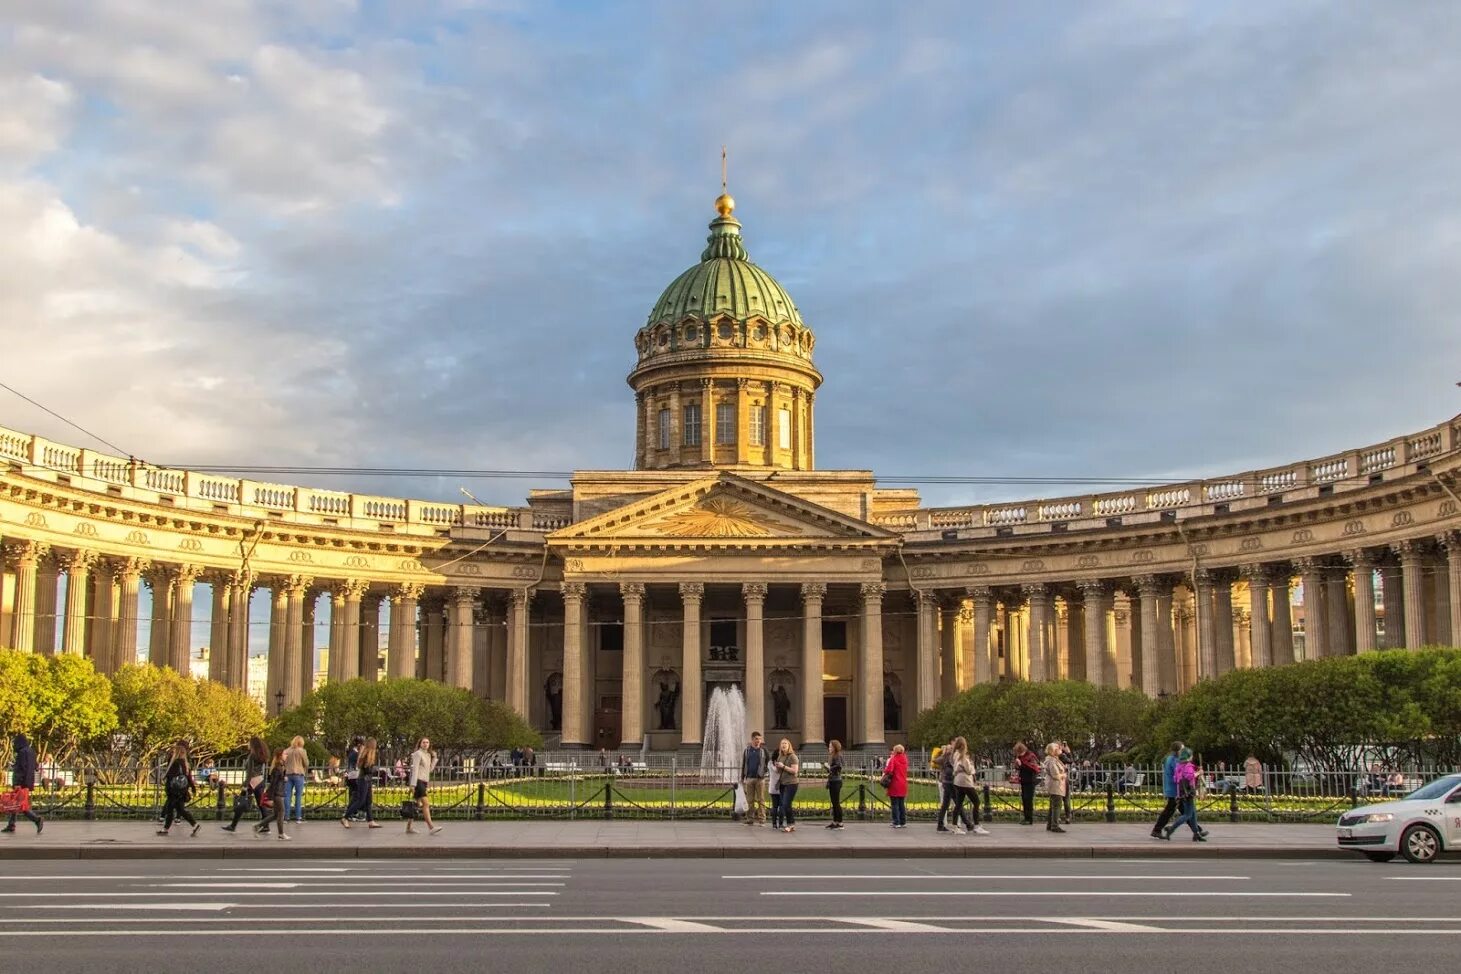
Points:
[739,807]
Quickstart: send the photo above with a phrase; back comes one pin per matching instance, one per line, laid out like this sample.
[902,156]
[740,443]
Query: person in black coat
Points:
[23,780]
[256,768]
[178,785]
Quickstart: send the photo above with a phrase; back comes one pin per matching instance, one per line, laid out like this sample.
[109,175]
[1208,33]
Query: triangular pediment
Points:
[725,510]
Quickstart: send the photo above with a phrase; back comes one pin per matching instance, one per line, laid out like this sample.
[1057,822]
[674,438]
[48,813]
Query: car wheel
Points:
[1379,856]
[1420,843]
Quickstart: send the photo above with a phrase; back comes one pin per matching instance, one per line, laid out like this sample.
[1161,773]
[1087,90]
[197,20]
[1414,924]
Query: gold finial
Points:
[724,204]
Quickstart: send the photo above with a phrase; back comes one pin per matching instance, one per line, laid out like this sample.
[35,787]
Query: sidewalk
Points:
[588,839]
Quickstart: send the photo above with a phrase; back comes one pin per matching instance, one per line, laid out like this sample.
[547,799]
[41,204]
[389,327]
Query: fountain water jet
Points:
[725,735]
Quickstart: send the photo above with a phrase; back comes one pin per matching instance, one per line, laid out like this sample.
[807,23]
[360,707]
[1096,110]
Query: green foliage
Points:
[157,707]
[60,702]
[398,713]
[993,716]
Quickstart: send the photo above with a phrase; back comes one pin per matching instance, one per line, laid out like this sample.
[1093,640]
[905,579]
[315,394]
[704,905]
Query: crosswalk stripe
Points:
[1027,892]
[900,926]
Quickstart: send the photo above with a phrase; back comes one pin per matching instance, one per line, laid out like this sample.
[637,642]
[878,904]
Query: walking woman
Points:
[23,781]
[296,767]
[278,783]
[834,782]
[787,763]
[963,787]
[178,785]
[1054,786]
[1185,779]
[362,796]
[256,766]
[423,762]
[773,792]
[895,774]
[1028,767]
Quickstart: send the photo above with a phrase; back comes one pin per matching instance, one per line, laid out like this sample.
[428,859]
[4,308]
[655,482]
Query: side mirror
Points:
[1455,798]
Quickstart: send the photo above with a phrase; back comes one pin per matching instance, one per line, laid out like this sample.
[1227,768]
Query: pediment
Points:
[724,510]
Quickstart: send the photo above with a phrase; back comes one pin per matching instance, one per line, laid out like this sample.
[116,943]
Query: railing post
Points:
[609,797]
[218,812]
[481,800]
[988,804]
[1110,802]
[674,765]
[862,801]
[90,798]
[1233,805]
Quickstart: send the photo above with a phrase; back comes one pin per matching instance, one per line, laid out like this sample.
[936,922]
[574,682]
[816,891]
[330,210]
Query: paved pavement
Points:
[585,839]
[793,914]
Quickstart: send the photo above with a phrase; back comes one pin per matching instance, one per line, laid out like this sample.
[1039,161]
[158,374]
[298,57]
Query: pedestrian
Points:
[296,767]
[362,799]
[895,783]
[1027,766]
[423,762]
[1253,775]
[1185,777]
[22,783]
[178,785]
[1055,779]
[754,764]
[790,768]
[963,787]
[1169,792]
[944,781]
[352,769]
[773,791]
[278,785]
[1067,759]
[256,767]
[834,782]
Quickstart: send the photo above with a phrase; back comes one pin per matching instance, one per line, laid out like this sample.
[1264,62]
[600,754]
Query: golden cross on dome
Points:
[723,203]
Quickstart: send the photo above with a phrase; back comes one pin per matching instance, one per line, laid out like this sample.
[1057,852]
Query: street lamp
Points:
[278,702]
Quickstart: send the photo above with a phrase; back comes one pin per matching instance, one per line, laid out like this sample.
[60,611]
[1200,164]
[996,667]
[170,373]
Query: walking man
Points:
[1169,792]
[753,780]
[23,780]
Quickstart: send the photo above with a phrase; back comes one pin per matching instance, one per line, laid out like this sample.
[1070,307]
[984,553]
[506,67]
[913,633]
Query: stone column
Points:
[692,684]
[335,649]
[241,593]
[1412,570]
[1202,589]
[1363,563]
[180,654]
[1222,611]
[25,556]
[48,588]
[370,636]
[1259,629]
[1242,630]
[218,658]
[461,618]
[77,565]
[1123,618]
[291,680]
[310,603]
[981,598]
[1096,599]
[159,631]
[870,664]
[1336,602]
[129,589]
[1166,640]
[1451,542]
[574,733]
[926,688]
[1283,622]
[431,661]
[351,592]
[1039,597]
[278,616]
[743,421]
[519,632]
[101,633]
[754,594]
[401,640]
[1059,667]
[814,730]
[632,692]
[707,420]
[1150,589]
[1316,629]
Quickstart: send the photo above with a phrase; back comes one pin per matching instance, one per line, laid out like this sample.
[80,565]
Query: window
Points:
[783,428]
[758,425]
[834,635]
[692,425]
[725,424]
[611,637]
[664,428]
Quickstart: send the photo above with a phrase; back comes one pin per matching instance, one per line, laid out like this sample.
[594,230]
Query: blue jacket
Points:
[23,772]
[1169,783]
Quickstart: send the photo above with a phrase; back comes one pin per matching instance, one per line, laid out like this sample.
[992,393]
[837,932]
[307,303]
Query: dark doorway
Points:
[723,639]
[834,719]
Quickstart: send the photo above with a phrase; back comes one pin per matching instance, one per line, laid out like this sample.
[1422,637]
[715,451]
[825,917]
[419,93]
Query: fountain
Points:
[725,735]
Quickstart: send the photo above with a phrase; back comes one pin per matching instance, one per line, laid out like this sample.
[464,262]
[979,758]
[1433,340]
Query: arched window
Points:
[663,425]
[725,424]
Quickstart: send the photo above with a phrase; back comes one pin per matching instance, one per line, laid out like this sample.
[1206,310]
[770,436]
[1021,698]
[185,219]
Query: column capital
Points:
[25,554]
[981,594]
[1411,549]
[466,595]
[1309,564]
[814,591]
[1096,588]
[128,568]
[1257,573]
[297,585]
[188,573]
[1034,590]
[158,575]
[872,591]
[408,590]
[569,590]
[921,598]
[1451,541]
[523,597]
[631,591]
[706,383]
[351,589]
[78,560]
[692,591]
[1361,558]
[754,592]
[1150,586]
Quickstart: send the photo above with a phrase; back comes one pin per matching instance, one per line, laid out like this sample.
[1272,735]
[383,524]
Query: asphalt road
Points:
[448,915]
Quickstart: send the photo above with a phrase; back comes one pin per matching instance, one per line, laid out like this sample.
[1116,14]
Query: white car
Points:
[1420,826]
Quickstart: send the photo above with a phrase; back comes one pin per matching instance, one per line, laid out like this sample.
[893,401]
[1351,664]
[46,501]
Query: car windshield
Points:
[1436,789]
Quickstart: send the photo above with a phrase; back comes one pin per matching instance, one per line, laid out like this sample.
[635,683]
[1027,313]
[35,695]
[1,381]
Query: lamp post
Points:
[278,702]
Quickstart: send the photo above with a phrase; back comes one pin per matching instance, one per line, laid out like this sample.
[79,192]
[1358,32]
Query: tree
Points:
[60,702]
[157,706]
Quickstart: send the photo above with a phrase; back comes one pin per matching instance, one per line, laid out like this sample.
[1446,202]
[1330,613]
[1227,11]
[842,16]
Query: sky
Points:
[1154,240]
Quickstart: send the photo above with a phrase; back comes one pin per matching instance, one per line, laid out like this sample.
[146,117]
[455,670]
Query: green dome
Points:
[725,282]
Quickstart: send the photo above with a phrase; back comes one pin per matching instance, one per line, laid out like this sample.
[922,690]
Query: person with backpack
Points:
[178,785]
[942,762]
[423,762]
[834,782]
[278,788]
[1169,792]
[1027,766]
[962,764]
[256,767]
[895,783]
[362,798]
[1184,780]
[22,783]
[1055,781]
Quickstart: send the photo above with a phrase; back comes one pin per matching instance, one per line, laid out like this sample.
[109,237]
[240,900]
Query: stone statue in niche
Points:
[668,697]
[780,707]
[892,710]
[553,690]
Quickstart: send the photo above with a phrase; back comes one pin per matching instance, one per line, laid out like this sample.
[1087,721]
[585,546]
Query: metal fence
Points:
[574,786]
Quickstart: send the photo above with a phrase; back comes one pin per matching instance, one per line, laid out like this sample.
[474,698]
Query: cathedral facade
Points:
[607,612]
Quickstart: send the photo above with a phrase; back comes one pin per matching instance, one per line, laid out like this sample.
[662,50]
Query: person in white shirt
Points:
[423,762]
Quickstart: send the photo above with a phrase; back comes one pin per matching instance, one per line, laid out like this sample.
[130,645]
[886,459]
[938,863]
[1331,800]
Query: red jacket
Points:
[897,768]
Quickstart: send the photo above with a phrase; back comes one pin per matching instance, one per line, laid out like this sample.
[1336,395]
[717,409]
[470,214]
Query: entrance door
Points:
[834,718]
[606,723]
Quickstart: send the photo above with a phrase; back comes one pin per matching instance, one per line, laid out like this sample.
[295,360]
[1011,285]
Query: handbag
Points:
[242,800]
[15,800]
[886,780]
[178,784]
[410,810]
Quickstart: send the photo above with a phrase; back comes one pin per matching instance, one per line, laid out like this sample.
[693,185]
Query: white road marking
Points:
[901,926]
[469,884]
[1105,924]
[292,918]
[389,892]
[211,907]
[1032,876]
[651,927]
[1043,892]
[671,925]
[1424,879]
